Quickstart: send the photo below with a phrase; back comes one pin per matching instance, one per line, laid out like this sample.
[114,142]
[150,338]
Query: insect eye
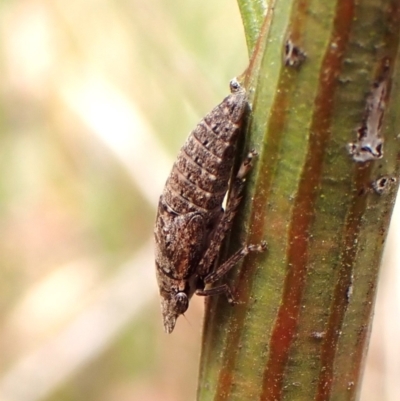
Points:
[234,86]
[182,302]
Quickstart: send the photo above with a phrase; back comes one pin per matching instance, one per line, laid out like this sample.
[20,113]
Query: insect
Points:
[191,223]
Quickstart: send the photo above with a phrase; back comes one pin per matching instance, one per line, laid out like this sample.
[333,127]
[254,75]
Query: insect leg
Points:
[232,261]
[220,289]
[224,268]
[227,218]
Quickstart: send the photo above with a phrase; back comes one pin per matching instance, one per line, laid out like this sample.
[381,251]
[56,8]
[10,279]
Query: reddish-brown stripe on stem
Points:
[340,302]
[351,232]
[258,218]
[260,46]
[286,323]
[225,377]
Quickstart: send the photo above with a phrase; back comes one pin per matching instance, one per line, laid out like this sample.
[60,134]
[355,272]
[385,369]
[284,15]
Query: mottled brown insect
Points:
[191,224]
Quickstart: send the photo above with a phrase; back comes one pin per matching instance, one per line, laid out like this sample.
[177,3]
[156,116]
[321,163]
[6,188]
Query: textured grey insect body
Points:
[191,223]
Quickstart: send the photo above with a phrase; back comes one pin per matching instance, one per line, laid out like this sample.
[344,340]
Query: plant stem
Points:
[300,329]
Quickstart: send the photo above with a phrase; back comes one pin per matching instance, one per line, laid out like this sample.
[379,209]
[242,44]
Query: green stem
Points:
[300,329]
[252,16]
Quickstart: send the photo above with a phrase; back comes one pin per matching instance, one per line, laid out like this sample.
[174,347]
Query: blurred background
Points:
[96,97]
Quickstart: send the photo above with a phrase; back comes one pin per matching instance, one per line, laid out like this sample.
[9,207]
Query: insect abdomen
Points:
[199,178]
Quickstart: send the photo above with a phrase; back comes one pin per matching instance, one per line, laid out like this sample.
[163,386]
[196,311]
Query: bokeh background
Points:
[96,97]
